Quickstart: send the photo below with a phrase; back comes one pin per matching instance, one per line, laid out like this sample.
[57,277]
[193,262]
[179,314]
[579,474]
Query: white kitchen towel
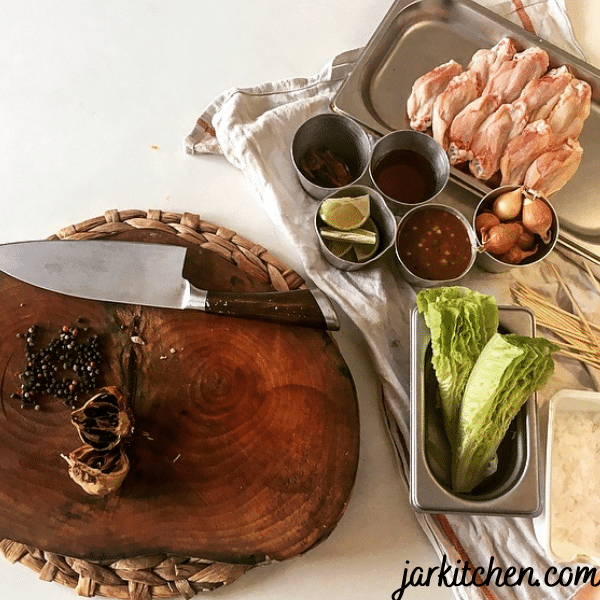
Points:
[253,129]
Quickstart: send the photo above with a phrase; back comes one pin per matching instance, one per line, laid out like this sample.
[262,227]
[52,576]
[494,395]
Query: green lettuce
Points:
[461,322]
[509,369]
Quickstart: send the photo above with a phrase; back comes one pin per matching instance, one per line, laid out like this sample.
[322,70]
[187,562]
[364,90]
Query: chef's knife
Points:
[151,275]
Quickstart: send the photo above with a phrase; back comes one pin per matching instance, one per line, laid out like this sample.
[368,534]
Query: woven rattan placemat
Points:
[158,575]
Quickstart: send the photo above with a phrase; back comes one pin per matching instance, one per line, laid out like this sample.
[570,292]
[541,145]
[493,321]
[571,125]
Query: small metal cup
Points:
[415,279]
[381,215]
[340,134]
[417,142]
[488,262]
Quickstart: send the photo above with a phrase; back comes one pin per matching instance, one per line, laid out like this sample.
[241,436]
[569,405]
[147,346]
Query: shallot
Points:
[500,238]
[516,255]
[485,221]
[526,239]
[537,217]
[507,206]
[518,222]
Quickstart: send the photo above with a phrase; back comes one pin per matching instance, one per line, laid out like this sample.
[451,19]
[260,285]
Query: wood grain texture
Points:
[246,435]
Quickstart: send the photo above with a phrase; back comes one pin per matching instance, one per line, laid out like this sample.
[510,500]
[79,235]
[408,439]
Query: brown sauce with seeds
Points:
[434,244]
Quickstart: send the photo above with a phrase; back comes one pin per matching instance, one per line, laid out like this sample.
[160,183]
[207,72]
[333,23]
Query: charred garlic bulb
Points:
[104,420]
[98,472]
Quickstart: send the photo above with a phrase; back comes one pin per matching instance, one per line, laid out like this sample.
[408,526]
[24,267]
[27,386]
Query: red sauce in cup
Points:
[405,176]
[434,244]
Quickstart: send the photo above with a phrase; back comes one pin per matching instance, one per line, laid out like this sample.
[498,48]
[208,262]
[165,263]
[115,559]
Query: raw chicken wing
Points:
[505,113]
[511,77]
[486,62]
[523,149]
[549,172]
[493,136]
[424,92]
[571,110]
[466,124]
[541,94]
[461,90]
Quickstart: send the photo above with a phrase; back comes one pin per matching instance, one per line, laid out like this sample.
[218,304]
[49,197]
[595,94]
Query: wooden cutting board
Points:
[246,436]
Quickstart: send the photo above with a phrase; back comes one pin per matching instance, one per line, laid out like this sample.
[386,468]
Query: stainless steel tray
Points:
[414,38]
[515,488]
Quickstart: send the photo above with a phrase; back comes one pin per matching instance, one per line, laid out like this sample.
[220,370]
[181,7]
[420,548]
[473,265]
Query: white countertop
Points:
[96,99]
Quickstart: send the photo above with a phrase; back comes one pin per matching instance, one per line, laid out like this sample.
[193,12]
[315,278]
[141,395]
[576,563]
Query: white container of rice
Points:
[569,526]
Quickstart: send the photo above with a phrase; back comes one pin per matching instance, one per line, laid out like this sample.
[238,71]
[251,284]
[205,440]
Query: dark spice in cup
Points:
[325,168]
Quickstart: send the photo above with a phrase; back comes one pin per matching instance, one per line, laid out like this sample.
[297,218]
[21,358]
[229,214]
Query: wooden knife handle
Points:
[307,308]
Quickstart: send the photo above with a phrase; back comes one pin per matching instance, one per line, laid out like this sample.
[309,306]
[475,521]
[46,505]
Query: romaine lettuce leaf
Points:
[460,321]
[509,369]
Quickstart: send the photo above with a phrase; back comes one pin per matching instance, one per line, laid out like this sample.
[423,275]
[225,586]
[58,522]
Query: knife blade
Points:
[152,275]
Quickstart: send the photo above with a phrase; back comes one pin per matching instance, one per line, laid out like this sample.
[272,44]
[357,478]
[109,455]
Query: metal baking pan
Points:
[416,37]
[515,487]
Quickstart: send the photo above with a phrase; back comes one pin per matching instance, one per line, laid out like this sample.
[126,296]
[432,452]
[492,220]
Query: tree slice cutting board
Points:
[246,436]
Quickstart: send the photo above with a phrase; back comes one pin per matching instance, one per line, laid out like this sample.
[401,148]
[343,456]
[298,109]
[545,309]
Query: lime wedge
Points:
[338,248]
[364,252]
[356,236]
[345,213]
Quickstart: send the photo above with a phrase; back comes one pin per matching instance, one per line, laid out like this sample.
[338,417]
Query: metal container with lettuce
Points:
[484,376]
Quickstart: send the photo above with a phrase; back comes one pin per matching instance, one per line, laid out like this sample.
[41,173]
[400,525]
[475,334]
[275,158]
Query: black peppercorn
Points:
[58,369]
